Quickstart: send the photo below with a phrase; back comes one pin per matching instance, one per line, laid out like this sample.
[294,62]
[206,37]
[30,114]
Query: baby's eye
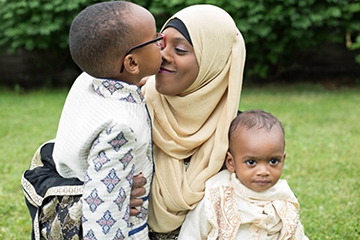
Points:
[274,161]
[250,162]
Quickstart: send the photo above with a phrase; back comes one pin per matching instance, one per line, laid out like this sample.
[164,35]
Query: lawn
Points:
[322,144]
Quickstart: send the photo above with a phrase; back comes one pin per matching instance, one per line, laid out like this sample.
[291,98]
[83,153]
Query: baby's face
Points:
[257,157]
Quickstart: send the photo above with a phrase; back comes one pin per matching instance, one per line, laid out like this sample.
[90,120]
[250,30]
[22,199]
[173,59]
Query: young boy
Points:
[248,201]
[104,134]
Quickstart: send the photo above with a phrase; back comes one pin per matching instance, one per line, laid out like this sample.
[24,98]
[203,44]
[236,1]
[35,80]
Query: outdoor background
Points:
[303,65]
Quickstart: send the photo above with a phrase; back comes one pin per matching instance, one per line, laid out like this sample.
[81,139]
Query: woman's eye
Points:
[250,162]
[274,161]
[180,51]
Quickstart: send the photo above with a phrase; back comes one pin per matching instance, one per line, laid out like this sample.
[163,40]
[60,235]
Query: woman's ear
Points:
[230,162]
[131,64]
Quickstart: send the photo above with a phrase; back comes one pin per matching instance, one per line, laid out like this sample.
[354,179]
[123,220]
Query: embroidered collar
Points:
[109,88]
[280,191]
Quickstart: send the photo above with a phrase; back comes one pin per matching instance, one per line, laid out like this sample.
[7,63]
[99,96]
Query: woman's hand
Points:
[137,190]
[143,81]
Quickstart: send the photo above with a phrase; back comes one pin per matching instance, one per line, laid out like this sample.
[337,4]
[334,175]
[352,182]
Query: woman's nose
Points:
[165,55]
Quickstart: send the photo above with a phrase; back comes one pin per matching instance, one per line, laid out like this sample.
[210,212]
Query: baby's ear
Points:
[131,64]
[230,162]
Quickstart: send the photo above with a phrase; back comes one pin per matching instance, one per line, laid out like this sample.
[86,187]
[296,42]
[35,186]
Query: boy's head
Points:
[256,149]
[101,35]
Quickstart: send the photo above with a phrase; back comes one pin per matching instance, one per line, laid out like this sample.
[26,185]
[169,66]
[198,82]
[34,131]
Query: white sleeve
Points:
[300,234]
[108,180]
[196,225]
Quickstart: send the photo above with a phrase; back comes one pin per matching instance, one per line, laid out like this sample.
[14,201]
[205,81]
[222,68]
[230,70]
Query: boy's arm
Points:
[108,181]
[196,225]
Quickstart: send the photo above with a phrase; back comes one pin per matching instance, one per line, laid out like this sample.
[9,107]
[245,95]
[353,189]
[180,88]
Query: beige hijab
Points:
[196,123]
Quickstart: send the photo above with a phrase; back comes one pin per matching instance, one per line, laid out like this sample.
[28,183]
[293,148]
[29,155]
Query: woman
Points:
[192,100]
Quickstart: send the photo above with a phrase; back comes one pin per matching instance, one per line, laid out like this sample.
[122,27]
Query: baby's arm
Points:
[196,224]
[300,234]
[108,181]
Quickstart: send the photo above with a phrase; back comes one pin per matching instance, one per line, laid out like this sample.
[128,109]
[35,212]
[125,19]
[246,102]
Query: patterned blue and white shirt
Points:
[104,139]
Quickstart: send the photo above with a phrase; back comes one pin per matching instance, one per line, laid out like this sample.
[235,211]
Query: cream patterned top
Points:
[230,210]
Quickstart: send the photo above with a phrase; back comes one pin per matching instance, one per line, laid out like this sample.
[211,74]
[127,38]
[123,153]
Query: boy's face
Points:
[149,56]
[257,157]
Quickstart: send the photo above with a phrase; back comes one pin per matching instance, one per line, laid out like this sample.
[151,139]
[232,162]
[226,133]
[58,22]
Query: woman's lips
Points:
[164,70]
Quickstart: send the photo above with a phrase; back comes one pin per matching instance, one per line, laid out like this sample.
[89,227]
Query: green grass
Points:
[322,143]
[26,121]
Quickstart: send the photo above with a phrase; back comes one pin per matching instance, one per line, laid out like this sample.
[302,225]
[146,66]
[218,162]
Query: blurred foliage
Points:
[275,31]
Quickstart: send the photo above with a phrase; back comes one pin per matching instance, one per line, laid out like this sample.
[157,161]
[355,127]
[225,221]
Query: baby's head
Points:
[256,149]
[101,35]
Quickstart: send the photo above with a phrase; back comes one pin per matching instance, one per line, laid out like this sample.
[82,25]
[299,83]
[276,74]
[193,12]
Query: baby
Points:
[247,200]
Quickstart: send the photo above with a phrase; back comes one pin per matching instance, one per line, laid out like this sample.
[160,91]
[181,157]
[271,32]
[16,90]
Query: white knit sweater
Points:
[104,139]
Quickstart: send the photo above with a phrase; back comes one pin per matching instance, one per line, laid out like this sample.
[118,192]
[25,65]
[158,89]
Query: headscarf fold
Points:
[195,123]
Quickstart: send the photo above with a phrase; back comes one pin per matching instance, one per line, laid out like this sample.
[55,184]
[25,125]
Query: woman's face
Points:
[179,68]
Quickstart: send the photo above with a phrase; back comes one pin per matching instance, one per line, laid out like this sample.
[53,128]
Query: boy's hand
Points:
[137,190]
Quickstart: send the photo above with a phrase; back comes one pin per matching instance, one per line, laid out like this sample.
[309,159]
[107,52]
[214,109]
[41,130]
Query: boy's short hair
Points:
[258,119]
[101,34]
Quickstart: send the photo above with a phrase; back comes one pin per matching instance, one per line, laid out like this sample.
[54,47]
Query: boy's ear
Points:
[284,157]
[230,162]
[131,64]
